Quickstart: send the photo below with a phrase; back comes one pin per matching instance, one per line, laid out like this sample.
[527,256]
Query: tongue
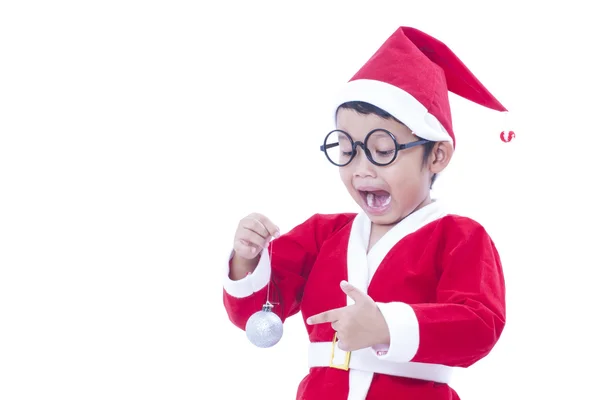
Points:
[379,200]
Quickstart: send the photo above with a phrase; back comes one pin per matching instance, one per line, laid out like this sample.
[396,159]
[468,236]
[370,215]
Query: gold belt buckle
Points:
[346,365]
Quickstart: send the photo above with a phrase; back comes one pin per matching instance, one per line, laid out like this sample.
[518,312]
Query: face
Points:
[389,193]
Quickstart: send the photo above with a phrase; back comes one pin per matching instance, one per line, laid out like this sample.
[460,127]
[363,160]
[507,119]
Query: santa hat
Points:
[410,77]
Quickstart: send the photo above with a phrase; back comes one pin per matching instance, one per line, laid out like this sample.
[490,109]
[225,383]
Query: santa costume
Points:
[436,277]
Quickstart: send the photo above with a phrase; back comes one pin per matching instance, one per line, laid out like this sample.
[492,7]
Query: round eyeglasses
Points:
[380,147]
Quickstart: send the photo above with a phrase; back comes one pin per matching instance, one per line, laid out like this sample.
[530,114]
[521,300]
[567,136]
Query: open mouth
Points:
[376,201]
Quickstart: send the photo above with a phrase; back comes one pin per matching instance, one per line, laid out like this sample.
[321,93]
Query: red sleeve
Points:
[293,255]
[469,314]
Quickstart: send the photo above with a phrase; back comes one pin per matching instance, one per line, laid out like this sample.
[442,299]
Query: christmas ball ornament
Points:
[264,328]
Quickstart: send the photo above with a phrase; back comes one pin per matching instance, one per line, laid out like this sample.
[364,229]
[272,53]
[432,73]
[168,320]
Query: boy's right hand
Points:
[253,234]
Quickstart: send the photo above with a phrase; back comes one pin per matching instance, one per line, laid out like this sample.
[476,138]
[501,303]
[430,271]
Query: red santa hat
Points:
[410,77]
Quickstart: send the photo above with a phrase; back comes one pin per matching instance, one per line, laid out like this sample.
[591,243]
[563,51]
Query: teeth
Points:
[371,201]
[387,201]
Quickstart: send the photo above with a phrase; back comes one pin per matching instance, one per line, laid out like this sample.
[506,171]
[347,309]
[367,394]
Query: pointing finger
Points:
[327,316]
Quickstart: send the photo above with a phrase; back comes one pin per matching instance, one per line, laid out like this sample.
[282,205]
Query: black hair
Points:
[367,108]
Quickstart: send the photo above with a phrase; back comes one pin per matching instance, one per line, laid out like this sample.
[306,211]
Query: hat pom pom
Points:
[507,137]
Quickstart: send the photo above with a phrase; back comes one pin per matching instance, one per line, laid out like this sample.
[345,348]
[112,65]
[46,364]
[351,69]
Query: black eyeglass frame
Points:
[363,145]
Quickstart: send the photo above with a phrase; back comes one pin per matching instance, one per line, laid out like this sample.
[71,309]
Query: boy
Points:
[402,291]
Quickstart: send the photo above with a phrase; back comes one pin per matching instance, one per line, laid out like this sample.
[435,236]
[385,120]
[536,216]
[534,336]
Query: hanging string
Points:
[268,305]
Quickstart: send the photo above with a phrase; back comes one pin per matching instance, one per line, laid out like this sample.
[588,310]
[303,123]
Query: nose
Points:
[362,166]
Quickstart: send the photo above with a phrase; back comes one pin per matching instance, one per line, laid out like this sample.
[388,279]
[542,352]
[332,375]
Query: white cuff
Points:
[251,283]
[404,332]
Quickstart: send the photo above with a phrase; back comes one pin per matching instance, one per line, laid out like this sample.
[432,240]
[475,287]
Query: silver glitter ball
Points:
[264,328]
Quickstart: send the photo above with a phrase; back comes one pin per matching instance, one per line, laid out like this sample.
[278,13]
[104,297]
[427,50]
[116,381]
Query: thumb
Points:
[355,294]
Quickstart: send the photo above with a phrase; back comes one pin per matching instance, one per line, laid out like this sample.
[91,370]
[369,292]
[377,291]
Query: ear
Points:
[440,157]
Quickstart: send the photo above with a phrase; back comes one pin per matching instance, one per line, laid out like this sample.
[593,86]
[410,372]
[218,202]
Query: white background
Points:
[135,135]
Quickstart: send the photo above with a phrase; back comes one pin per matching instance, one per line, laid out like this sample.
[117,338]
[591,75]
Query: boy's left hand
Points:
[359,325]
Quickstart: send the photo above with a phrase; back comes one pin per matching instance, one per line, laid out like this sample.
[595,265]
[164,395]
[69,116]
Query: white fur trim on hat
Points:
[399,103]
